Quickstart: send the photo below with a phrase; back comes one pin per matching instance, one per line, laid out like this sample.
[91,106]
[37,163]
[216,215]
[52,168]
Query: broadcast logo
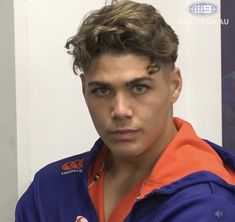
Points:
[202,9]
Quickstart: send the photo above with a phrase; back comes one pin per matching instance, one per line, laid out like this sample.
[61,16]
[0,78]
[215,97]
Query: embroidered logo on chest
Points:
[75,166]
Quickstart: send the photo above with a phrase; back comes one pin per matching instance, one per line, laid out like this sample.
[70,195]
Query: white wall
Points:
[200,62]
[52,119]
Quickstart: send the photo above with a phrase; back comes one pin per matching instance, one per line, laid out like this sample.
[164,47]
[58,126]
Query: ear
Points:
[176,84]
[83,81]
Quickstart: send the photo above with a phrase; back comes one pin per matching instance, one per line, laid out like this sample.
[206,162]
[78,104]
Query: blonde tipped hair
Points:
[120,28]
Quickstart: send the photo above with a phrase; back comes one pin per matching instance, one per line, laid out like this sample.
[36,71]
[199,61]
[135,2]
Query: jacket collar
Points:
[187,154]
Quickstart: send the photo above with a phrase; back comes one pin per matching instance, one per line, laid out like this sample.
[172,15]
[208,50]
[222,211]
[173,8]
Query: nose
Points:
[121,107]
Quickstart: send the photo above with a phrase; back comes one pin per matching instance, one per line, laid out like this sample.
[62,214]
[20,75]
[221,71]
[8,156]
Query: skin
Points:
[132,112]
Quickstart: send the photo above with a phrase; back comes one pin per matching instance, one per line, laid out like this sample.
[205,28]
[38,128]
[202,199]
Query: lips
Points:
[124,134]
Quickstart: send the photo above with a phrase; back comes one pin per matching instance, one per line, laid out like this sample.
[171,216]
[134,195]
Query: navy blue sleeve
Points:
[195,204]
[29,208]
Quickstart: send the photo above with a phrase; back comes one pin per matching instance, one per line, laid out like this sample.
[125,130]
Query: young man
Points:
[147,165]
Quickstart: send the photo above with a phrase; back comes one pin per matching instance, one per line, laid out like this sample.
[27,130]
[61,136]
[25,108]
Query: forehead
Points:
[118,68]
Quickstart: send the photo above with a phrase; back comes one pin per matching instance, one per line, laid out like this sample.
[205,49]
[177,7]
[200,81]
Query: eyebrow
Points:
[128,83]
[99,83]
[138,80]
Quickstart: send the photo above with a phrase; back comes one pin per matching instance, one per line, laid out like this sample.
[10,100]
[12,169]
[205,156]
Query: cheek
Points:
[156,103]
[94,109]
[155,109]
[97,112]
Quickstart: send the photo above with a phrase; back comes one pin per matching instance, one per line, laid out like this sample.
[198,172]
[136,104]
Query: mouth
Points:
[124,134]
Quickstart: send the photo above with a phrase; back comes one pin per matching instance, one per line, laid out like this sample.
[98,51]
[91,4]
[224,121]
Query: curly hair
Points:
[123,27]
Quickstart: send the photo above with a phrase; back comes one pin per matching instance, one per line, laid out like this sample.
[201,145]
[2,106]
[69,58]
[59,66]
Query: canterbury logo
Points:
[73,165]
[81,219]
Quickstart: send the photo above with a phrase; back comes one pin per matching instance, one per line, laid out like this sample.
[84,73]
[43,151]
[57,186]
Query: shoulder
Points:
[201,184]
[54,185]
[62,172]
[197,201]
[59,174]
[58,184]
[70,165]
[208,201]
[62,166]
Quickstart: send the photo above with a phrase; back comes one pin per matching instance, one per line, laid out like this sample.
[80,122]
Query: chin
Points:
[126,150]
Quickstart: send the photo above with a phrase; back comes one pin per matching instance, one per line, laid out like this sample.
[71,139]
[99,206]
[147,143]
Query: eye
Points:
[139,89]
[102,91]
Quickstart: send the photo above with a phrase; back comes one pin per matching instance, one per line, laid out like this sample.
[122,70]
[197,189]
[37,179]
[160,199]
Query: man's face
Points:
[130,108]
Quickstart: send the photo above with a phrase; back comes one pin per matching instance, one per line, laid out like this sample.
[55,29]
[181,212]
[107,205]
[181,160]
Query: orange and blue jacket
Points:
[193,180]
